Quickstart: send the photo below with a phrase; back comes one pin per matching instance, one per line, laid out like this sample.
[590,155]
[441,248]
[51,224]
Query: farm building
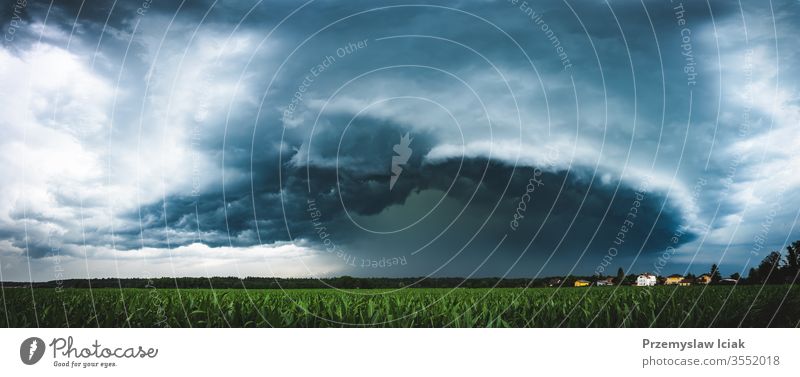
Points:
[728,281]
[582,283]
[673,279]
[553,282]
[646,280]
[603,282]
[685,282]
[703,279]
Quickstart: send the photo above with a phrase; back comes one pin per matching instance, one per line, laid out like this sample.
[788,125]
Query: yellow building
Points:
[703,279]
[581,283]
[685,282]
[673,279]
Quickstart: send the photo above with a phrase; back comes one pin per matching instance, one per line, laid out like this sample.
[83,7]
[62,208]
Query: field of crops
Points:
[717,306]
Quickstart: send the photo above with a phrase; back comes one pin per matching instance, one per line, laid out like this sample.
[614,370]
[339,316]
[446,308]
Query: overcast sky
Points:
[260,138]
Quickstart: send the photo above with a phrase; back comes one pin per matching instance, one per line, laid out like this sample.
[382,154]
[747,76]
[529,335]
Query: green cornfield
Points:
[712,306]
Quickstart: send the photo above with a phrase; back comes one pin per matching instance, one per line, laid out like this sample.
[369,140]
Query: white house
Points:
[646,280]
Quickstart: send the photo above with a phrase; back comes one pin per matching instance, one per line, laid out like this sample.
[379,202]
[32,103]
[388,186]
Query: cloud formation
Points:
[210,132]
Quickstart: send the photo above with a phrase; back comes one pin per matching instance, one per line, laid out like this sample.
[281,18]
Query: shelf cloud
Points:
[262,138]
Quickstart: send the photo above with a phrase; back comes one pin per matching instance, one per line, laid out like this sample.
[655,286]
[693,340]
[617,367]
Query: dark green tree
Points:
[792,260]
[715,275]
[752,276]
[347,282]
[768,270]
[620,276]
[735,276]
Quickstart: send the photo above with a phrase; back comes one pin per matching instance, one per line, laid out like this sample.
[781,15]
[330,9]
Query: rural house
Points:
[604,282]
[646,280]
[685,282]
[673,279]
[703,279]
[582,283]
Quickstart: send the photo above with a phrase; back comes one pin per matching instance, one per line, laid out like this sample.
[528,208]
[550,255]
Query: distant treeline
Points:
[343,282]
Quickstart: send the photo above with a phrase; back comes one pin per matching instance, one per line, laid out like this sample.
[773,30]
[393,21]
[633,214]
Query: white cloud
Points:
[281,260]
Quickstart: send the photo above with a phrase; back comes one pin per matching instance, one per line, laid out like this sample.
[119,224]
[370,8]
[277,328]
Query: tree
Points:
[620,276]
[753,277]
[768,270]
[346,282]
[735,276]
[792,260]
[715,275]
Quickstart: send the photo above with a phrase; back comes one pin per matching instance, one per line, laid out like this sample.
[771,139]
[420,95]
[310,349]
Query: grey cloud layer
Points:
[200,137]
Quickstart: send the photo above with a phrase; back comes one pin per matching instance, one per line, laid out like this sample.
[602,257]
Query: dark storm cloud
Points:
[362,183]
[576,220]
[266,167]
[565,216]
